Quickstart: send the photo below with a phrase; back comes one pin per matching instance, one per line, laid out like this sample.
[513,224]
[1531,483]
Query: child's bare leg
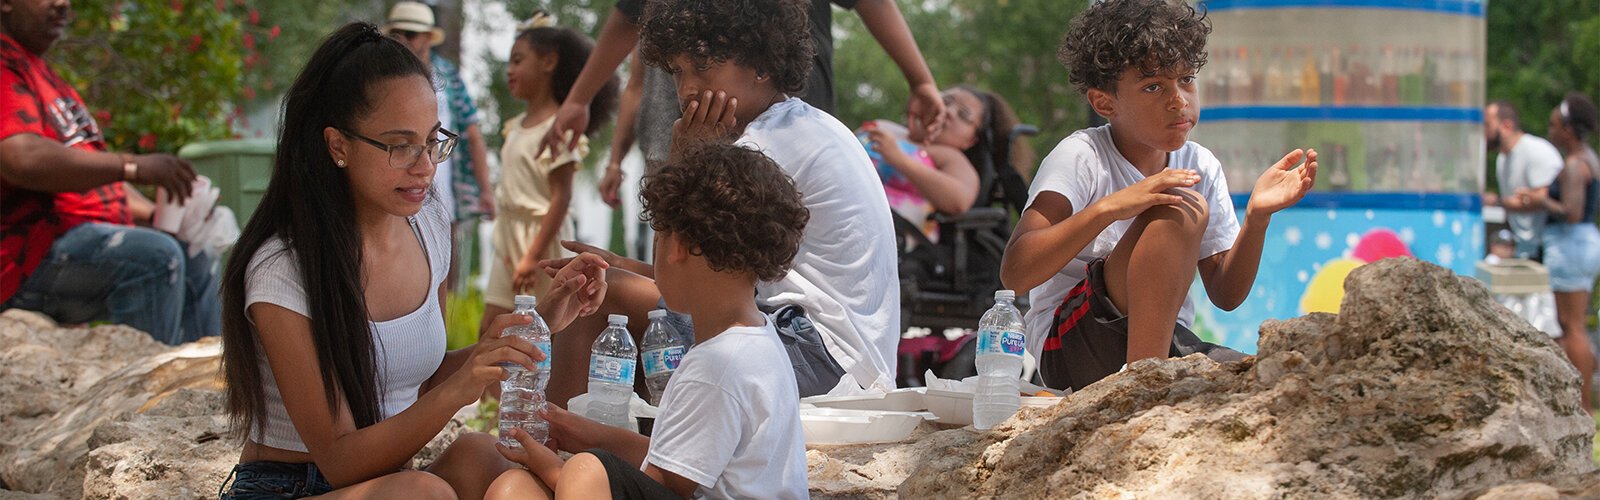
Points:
[584,477]
[626,293]
[1150,271]
[518,484]
[470,464]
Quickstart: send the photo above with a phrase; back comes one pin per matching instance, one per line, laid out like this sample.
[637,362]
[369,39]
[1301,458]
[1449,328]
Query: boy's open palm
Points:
[1131,201]
[1283,185]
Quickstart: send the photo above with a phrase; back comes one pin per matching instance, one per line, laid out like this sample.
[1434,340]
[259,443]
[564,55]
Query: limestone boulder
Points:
[1420,385]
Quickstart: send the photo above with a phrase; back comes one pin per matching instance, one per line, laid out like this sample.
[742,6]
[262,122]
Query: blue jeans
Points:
[127,275]
[260,480]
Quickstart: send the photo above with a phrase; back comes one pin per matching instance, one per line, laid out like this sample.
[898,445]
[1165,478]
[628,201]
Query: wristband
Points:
[130,169]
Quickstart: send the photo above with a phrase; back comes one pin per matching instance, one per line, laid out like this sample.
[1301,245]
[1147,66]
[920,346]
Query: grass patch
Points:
[463,314]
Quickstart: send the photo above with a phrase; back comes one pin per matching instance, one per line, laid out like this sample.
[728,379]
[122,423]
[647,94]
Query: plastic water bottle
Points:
[611,368]
[522,395]
[1000,344]
[663,349]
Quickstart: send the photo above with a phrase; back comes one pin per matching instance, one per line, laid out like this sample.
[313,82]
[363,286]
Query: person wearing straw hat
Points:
[463,185]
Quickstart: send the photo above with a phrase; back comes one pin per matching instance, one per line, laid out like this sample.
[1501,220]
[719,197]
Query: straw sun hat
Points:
[415,17]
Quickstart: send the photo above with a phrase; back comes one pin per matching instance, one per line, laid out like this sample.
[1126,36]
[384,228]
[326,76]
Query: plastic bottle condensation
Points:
[1000,346]
[612,364]
[522,395]
[660,352]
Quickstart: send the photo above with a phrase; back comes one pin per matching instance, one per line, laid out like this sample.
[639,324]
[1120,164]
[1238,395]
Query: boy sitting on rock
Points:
[725,218]
[1120,217]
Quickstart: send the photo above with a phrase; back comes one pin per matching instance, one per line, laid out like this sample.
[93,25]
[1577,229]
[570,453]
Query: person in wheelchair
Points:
[924,176]
[950,236]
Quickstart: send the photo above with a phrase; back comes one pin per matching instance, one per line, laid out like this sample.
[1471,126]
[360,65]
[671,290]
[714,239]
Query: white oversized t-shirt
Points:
[730,420]
[1086,167]
[846,274]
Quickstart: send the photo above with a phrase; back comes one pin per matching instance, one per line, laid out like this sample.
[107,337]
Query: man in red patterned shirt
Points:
[67,244]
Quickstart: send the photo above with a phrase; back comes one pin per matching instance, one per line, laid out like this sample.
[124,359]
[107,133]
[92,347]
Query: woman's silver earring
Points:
[340,163]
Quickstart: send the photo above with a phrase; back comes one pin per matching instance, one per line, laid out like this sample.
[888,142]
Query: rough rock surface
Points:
[1421,385]
[107,412]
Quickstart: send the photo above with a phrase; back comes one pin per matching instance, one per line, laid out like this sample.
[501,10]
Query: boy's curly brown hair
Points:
[769,36]
[731,205]
[1155,36]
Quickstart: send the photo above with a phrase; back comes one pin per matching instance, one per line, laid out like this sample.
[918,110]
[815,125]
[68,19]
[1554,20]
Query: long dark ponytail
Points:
[309,206]
[572,50]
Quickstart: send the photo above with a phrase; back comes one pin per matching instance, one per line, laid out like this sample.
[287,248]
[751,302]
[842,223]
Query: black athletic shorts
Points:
[1088,338]
[628,482]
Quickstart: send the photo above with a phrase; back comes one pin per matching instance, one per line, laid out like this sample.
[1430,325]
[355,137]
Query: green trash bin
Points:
[241,169]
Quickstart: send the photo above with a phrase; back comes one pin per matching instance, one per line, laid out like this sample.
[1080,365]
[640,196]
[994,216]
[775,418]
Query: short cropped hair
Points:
[731,205]
[769,36]
[1155,36]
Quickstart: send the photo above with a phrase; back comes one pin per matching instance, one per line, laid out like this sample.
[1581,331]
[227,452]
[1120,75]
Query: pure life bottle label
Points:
[662,360]
[991,341]
[612,369]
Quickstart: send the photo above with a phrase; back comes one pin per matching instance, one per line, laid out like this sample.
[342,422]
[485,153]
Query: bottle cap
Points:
[1005,295]
[617,319]
[657,313]
[525,301]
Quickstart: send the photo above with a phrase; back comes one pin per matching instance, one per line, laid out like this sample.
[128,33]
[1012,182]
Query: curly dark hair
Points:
[731,205]
[769,36]
[1156,36]
[572,50]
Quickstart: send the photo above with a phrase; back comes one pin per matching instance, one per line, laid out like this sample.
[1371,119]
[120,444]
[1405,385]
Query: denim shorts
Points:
[1572,253]
[256,480]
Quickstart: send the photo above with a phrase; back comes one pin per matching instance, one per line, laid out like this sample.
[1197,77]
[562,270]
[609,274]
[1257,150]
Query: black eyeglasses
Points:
[403,156]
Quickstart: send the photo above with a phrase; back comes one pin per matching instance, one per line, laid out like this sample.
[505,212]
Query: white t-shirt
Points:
[730,422]
[846,274]
[1533,163]
[409,348]
[1086,167]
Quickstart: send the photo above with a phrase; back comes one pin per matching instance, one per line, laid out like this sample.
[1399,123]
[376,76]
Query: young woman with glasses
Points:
[333,330]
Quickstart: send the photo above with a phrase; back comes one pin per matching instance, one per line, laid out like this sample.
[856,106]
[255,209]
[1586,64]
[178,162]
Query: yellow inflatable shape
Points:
[1326,289]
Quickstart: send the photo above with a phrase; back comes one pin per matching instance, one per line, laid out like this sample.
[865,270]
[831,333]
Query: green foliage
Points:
[1538,51]
[156,73]
[1005,46]
[463,314]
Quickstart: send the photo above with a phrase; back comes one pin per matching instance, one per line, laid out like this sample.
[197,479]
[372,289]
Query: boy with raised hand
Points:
[725,217]
[1122,216]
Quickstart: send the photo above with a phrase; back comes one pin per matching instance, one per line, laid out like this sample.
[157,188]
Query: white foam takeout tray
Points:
[832,426]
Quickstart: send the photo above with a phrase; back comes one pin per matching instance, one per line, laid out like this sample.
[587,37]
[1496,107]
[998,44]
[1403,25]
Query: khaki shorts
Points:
[513,235]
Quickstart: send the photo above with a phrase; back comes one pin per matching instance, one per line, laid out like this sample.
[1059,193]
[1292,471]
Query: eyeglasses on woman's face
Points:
[402,156]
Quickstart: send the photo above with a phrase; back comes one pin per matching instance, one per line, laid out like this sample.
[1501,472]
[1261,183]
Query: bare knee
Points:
[516,484]
[418,484]
[1192,210]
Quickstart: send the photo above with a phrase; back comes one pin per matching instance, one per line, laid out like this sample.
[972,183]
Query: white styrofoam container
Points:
[907,399]
[831,426]
[956,407]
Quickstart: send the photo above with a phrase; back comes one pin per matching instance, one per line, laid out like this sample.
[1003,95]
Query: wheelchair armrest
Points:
[979,217]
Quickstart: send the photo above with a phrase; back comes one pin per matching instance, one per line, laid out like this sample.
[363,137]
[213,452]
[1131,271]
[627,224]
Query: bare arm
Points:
[527,270]
[952,187]
[1229,275]
[140,207]
[36,163]
[617,38]
[345,454]
[1047,237]
[622,139]
[925,111]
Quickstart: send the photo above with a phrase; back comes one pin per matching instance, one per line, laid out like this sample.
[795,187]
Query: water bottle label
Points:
[544,347]
[664,360]
[1000,342]
[612,369]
